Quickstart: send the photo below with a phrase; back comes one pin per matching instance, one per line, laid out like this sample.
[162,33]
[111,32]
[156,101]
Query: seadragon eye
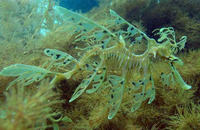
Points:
[174,60]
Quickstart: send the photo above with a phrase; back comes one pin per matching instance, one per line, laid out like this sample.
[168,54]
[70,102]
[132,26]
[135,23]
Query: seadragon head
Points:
[168,46]
[167,49]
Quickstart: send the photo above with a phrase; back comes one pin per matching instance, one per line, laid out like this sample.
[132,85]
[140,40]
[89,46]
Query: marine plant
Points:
[187,117]
[120,61]
[23,26]
[23,110]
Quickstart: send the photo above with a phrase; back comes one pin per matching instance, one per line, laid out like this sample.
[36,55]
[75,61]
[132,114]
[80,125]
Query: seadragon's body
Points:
[107,51]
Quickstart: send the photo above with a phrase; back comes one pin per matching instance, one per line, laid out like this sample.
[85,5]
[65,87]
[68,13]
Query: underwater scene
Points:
[100,64]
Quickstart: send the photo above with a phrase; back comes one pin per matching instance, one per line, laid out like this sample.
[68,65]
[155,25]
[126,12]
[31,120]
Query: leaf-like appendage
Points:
[116,94]
[147,92]
[27,73]
[98,80]
[85,83]
[86,29]
[167,36]
[58,58]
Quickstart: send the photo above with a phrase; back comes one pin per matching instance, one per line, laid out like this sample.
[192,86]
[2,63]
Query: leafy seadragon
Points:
[127,51]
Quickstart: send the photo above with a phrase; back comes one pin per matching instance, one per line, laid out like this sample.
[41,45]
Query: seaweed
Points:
[187,117]
[23,110]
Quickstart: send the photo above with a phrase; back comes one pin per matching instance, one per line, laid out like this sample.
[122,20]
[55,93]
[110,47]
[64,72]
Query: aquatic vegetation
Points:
[22,27]
[18,19]
[120,61]
[187,117]
[23,110]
